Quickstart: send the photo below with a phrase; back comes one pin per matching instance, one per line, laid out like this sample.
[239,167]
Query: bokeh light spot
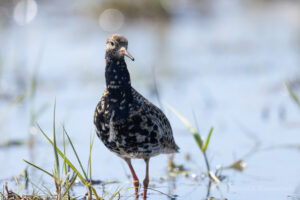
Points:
[111,19]
[25,11]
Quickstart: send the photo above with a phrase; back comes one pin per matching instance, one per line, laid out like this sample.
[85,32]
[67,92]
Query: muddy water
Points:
[225,67]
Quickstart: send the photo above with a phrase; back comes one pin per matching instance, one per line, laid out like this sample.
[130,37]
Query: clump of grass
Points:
[202,144]
[10,195]
[65,173]
[63,179]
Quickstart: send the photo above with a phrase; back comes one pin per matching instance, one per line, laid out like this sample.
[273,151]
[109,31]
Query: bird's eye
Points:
[112,44]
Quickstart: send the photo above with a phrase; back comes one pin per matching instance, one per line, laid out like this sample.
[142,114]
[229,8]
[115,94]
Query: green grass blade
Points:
[208,139]
[55,145]
[119,190]
[45,192]
[65,163]
[90,157]
[71,165]
[292,94]
[70,185]
[37,167]
[196,135]
[67,160]
[85,175]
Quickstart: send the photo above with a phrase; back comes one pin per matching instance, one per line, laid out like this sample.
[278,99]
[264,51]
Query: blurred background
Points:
[221,63]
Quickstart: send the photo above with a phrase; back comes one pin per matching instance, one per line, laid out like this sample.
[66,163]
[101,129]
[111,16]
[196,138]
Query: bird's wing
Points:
[100,116]
[157,117]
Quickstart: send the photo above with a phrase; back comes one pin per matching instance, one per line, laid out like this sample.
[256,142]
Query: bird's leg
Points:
[146,180]
[135,178]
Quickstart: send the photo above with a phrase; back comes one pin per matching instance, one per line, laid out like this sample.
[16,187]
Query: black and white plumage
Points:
[134,130]
[126,122]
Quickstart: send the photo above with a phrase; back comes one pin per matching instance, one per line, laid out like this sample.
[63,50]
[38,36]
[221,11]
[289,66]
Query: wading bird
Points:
[126,122]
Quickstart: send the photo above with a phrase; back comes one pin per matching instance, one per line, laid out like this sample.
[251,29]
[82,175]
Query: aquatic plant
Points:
[63,179]
[202,144]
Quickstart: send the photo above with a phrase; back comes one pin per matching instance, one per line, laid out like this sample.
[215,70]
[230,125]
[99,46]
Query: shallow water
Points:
[227,67]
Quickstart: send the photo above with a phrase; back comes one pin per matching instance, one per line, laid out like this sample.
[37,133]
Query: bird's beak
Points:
[126,53]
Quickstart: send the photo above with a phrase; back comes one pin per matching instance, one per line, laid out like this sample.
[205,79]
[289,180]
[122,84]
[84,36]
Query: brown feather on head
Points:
[116,47]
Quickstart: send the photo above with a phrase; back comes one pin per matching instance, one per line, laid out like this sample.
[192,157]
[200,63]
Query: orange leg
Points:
[146,180]
[135,178]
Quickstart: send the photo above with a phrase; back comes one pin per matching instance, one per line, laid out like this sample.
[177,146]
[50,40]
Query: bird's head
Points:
[116,47]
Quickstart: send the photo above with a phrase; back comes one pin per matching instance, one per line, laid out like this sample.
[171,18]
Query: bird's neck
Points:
[118,86]
[118,79]
[116,74]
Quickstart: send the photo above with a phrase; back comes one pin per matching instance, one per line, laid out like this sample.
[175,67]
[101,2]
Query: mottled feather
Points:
[145,133]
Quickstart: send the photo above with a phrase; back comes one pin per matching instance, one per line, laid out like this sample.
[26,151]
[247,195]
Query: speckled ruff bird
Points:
[126,122]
